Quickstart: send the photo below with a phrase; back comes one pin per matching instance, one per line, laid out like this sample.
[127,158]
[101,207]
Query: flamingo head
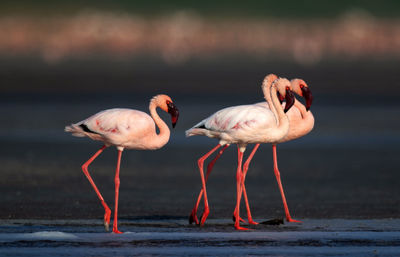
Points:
[268,80]
[166,104]
[301,88]
[174,112]
[284,91]
[267,83]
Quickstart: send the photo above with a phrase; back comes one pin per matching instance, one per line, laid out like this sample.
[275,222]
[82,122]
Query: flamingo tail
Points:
[76,130]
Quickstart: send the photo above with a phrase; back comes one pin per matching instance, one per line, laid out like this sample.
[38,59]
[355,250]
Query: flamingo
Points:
[125,128]
[301,123]
[242,125]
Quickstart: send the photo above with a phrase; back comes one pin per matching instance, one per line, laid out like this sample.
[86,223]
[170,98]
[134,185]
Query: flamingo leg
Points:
[245,169]
[193,215]
[239,182]
[200,163]
[278,179]
[117,182]
[85,166]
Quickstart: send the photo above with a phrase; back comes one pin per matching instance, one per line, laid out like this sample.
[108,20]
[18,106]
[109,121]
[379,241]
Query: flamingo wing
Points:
[117,125]
[239,117]
[233,123]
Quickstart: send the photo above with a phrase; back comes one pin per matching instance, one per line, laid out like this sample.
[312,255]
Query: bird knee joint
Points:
[200,163]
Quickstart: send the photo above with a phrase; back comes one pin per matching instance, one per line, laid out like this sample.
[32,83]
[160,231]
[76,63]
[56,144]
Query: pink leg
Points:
[239,182]
[278,179]
[85,166]
[193,215]
[117,182]
[200,162]
[245,169]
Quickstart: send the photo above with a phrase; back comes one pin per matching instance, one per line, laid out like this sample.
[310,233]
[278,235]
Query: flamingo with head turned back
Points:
[242,125]
[301,123]
[125,128]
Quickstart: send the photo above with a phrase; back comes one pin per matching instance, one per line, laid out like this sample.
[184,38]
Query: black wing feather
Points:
[86,129]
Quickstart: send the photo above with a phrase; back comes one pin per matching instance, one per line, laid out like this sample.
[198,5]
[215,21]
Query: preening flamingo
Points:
[301,123]
[125,128]
[242,125]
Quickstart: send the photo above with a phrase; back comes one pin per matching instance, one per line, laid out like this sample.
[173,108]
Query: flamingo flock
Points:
[272,121]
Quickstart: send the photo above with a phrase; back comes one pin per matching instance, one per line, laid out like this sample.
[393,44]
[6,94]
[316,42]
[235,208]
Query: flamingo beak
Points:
[308,96]
[289,100]
[280,97]
[174,113]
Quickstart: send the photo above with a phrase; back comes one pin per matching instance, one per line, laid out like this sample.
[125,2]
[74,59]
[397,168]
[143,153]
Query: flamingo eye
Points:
[301,85]
[168,102]
[287,88]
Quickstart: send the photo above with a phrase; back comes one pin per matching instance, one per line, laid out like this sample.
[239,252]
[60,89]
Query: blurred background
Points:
[62,61]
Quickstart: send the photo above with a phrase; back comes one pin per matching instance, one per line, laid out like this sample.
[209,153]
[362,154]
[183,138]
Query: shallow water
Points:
[171,237]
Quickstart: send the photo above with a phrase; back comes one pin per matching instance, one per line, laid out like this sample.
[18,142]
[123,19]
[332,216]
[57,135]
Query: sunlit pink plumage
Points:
[301,123]
[242,125]
[125,128]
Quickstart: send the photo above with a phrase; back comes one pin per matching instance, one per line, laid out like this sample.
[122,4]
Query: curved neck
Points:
[306,116]
[301,108]
[267,95]
[283,121]
[161,138]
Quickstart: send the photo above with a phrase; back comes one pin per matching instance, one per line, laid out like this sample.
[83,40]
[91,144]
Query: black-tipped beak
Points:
[308,96]
[289,100]
[174,113]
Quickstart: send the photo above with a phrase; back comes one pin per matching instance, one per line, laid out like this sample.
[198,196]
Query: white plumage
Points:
[120,127]
[238,124]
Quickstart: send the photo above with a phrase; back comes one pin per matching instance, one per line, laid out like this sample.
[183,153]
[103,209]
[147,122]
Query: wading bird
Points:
[243,125]
[301,123]
[125,128]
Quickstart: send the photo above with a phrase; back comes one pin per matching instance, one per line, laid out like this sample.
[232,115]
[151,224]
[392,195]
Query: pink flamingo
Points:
[125,128]
[242,125]
[301,123]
